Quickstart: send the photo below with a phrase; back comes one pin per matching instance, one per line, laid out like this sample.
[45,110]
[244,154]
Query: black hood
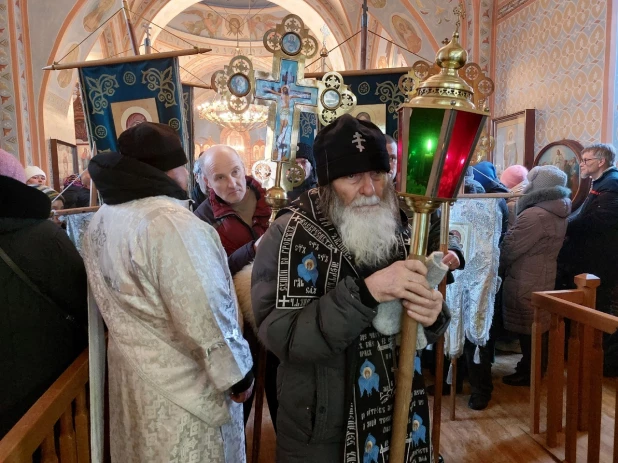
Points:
[20,201]
[305,152]
[121,179]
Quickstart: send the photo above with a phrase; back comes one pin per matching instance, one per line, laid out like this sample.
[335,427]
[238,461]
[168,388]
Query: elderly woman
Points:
[529,254]
[41,330]
[57,202]
[35,176]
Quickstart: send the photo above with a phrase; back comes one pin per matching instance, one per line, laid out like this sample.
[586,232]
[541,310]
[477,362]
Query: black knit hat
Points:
[349,146]
[157,145]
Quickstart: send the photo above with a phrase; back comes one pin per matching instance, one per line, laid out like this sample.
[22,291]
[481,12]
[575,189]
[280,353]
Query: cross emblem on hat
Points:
[358,140]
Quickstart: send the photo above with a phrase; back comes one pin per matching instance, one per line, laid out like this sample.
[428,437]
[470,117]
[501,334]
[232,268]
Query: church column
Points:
[610,113]
[8,120]
[18,132]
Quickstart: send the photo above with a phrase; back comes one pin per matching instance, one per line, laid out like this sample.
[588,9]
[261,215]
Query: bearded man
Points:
[321,271]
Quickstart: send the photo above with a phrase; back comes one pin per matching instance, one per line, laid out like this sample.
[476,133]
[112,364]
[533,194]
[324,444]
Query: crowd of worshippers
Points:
[192,284]
[75,191]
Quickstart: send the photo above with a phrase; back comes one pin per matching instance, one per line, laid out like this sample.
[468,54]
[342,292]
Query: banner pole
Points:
[127,20]
[126,59]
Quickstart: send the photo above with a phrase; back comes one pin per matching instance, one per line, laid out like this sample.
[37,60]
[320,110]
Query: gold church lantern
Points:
[439,128]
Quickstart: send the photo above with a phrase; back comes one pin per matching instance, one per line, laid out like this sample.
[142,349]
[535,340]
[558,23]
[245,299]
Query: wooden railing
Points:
[584,379]
[57,423]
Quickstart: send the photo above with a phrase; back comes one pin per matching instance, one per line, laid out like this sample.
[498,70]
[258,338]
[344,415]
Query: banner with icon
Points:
[120,96]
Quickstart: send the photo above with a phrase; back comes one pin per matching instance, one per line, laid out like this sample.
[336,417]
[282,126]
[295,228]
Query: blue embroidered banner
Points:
[120,96]
[308,127]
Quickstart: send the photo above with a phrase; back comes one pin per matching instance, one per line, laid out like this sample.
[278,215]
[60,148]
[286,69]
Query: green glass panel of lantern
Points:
[424,135]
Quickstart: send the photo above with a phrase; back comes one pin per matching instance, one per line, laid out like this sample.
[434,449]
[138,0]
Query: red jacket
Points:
[236,236]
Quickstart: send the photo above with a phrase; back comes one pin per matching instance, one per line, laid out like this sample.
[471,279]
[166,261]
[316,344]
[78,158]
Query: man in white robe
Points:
[179,367]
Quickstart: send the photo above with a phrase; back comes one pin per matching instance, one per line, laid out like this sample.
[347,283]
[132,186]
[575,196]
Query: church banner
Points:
[377,97]
[187,108]
[120,96]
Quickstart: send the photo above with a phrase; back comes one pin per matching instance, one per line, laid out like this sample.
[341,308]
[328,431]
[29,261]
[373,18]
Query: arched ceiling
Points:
[227,24]
[229,27]
[221,25]
[416,26]
[255,4]
[95,29]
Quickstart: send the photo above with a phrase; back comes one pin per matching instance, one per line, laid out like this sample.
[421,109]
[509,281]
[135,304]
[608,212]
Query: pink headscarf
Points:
[10,167]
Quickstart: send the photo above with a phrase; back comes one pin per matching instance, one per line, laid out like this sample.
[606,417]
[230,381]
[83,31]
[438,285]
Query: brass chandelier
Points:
[217,111]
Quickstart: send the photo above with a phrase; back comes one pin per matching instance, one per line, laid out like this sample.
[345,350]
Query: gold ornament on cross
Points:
[335,98]
[236,84]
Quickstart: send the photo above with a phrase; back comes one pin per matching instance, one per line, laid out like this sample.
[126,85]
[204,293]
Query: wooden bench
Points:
[57,424]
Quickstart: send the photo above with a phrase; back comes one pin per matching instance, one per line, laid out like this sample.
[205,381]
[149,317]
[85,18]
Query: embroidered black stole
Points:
[312,260]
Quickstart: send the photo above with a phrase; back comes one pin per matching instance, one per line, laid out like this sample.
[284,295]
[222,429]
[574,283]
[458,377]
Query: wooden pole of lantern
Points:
[405,365]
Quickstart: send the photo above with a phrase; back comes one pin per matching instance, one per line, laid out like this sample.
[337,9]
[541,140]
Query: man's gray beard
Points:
[369,234]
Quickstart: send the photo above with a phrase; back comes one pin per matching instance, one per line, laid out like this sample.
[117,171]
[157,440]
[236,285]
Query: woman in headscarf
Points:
[43,295]
[529,254]
[57,203]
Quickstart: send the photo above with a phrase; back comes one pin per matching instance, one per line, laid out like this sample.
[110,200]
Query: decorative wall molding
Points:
[551,55]
[22,74]
[509,7]
[8,132]
[484,31]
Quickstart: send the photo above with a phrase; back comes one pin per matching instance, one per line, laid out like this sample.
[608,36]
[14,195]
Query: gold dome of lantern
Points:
[447,87]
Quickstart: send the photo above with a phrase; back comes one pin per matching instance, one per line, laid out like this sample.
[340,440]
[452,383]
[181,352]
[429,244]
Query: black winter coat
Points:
[36,342]
[592,241]
[312,344]
[76,196]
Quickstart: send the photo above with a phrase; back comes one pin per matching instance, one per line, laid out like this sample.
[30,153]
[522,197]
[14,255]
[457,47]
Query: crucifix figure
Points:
[288,95]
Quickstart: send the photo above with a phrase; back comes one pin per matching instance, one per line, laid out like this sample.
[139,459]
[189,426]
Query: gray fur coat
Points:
[529,254]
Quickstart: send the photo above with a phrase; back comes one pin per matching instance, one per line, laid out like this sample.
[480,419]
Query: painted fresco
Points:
[550,55]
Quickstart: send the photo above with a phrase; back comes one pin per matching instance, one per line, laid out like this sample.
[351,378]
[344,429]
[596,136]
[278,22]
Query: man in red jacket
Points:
[235,205]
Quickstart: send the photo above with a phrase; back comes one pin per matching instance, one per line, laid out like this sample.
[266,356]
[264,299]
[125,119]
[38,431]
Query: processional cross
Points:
[290,44]
[289,97]
[286,92]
